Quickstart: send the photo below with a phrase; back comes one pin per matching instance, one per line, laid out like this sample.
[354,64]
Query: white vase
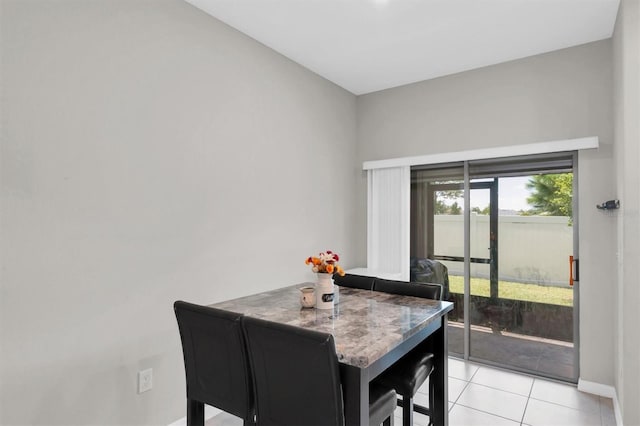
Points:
[324,291]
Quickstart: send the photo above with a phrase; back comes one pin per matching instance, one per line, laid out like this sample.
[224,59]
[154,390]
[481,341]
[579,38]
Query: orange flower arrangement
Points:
[326,262]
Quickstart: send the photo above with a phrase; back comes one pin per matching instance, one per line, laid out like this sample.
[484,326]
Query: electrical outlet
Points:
[145,380]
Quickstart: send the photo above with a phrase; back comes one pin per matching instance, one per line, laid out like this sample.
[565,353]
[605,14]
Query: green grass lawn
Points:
[516,291]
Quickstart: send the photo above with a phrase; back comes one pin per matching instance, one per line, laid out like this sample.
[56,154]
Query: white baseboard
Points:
[616,410]
[596,388]
[605,391]
[209,412]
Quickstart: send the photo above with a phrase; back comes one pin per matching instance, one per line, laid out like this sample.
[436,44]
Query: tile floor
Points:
[481,395]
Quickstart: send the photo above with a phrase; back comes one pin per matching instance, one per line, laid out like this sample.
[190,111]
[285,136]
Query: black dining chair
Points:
[297,378]
[409,373]
[416,289]
[354,281]
[215,361]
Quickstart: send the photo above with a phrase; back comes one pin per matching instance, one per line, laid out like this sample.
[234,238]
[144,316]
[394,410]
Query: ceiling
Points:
[370,45]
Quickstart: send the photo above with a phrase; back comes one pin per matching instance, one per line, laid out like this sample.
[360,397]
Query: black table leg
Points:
[195,413]
[440,375]
[355,386]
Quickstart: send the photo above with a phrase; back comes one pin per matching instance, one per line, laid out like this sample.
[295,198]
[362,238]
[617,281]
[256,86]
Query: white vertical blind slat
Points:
[388,220]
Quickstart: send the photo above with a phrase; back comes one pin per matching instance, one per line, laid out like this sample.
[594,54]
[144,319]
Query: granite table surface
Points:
[365,324]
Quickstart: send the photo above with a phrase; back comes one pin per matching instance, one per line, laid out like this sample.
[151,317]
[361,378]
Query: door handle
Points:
[574,272]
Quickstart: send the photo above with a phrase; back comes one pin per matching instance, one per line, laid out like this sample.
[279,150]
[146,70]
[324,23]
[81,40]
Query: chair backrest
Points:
[354,281]
[215,358]
[430,271]
[417,289]
[296,374]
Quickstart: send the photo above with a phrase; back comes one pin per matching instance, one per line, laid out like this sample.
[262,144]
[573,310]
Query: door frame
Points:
[492,261]
[467,166]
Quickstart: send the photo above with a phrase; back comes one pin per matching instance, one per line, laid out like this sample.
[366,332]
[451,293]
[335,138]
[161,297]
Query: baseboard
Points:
[605,391]
[596,388]
[209,412]
[616,409]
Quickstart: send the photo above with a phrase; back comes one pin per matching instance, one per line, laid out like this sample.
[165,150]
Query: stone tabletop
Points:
[365,324]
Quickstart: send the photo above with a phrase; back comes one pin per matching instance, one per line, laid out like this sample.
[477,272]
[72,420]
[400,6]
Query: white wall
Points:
[626,54]
[559,95]
[149,153]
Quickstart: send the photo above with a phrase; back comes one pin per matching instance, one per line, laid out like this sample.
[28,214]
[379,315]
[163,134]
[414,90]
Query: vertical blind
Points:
[388,210]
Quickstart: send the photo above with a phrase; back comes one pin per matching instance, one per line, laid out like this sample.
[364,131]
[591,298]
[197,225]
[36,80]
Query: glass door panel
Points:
[448,248]
[437,233]
[521,315]
[518,307]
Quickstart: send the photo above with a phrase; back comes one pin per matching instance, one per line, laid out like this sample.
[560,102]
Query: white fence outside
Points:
[531,249]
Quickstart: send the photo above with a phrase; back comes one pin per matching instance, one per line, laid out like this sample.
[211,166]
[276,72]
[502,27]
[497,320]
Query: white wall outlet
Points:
[145,380]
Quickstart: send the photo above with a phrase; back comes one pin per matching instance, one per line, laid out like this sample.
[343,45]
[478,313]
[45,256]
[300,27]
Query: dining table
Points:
[372,330]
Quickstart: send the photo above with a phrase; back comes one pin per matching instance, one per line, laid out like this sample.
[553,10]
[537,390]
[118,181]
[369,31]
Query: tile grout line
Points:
[563,406]
[474,374]
[533,378]
[465,386]
[453,403]
[528,396]
[501,390]
[533,382]
[487,412]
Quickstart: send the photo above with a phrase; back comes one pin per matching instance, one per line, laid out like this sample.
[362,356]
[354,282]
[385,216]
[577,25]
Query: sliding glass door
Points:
[507,256]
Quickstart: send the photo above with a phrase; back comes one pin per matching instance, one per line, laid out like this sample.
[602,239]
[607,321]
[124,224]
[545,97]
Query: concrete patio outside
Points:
[546,357]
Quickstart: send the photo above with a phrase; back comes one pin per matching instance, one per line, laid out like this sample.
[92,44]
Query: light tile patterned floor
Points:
[481,395]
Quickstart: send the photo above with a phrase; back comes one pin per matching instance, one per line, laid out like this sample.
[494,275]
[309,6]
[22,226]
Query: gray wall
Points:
[560,95]
[626,95]
[149,153]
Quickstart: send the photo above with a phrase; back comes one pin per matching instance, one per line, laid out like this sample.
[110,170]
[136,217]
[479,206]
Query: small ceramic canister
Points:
[307,297]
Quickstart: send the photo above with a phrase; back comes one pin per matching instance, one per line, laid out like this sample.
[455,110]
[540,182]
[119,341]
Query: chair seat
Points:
[408,373]
[382,403]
